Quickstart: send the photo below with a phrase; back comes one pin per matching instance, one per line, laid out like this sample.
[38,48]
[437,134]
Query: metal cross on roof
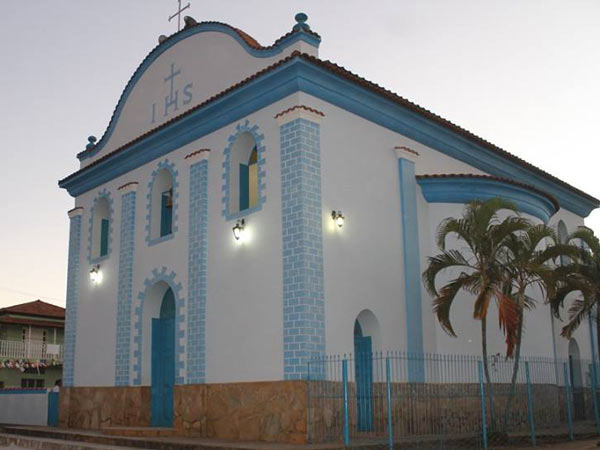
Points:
[178,14]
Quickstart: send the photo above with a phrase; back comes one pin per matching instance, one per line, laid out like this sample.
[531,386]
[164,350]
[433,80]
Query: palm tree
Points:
[481,272]
[528,262]
[580,274]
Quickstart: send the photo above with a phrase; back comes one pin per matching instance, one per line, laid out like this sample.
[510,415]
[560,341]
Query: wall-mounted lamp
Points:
[95,274]
[238,230]
[338,218]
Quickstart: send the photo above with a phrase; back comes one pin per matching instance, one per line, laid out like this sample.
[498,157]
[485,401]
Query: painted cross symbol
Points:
[171,78]
[178,14]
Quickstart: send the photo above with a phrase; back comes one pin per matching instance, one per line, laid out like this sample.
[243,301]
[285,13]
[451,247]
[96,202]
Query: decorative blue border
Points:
[72,299]
[459,189]
[160,275]
[171,168]
[101,194]
[260,149]
[302,248]
[197,273]
[412,268]
[276,49]
[300,74]
[125,289]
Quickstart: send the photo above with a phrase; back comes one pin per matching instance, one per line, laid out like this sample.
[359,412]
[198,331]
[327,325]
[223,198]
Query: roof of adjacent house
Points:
[36,308]
[373,87]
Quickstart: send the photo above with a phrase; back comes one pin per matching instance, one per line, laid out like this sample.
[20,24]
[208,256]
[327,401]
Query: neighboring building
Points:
[31,343]
[214,136]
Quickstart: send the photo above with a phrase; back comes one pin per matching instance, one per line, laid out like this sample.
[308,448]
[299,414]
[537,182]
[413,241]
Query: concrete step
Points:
[139,432]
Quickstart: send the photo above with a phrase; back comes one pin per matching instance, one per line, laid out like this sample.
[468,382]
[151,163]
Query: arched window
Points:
[563,234]
[162,204]
[243,174]
[100,228]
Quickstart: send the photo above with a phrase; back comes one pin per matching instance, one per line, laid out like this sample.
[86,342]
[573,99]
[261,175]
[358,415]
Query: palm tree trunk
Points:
[486,371]
[515,372]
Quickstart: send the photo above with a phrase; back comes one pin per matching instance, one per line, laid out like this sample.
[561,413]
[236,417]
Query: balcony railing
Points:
[30,349]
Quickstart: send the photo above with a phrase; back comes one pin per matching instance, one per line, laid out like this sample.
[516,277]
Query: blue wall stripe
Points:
[412,267]
[72,299]
[125,289]
[303,279]
[197,273]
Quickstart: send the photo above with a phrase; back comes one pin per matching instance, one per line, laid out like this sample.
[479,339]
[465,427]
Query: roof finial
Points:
[178,14]
[301,24]
[91,143]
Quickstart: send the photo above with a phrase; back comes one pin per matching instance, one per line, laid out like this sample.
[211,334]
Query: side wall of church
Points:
[238,318]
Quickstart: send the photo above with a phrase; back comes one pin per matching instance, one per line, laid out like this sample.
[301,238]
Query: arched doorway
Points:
[576,376]
[366,339]
[163,362]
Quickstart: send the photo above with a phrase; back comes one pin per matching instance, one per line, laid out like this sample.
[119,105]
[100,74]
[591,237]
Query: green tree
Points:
[529,260]
[579,274]
[482,238]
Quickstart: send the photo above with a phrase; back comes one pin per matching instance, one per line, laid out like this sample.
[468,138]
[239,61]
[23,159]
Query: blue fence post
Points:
[530,405]
[482,394]
[595,395]
[389,402]
[346,416]
[568,397]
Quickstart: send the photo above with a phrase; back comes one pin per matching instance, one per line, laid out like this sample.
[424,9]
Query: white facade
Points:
[242,327]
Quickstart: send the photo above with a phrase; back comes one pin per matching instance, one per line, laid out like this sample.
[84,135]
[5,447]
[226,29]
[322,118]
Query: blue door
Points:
[52,409]
[163,363]
[363,366]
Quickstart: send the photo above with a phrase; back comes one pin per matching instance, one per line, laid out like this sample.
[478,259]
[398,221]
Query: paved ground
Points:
[576,445]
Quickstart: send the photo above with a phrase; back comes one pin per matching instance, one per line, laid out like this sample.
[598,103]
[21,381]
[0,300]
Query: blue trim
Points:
[197,273]
[175,184]
[72,300]
[125,289]
[160,275]
[260,160]
[302,249]
[102,194]
[159,50]
[464,189]
[412,269]
[299,74]
[22,391]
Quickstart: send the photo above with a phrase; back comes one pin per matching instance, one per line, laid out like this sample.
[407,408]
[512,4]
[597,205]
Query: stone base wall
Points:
[266,411]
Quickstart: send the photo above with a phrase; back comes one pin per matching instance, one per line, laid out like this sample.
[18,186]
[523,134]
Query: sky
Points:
[523,74]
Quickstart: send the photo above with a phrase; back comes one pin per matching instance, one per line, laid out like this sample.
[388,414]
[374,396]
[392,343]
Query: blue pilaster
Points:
[72,296]
[197,273]
[303,292]
[125,289]
[412,268]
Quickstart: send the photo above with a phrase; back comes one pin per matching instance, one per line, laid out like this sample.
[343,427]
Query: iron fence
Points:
[450,401]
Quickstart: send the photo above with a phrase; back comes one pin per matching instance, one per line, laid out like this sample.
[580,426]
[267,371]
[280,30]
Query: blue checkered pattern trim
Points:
[197,266]
[260,159]
[169,278]
[71,307]
[125,289]
[171,168]
[303,280]
[102,194]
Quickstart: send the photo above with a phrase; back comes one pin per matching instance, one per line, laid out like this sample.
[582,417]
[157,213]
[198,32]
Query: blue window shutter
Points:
[104,237]
[244,191]
[166,214]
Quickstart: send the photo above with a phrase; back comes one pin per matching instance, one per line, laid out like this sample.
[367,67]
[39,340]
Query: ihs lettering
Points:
[172,100]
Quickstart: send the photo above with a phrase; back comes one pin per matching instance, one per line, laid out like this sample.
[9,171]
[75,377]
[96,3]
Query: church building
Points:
[251,208]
